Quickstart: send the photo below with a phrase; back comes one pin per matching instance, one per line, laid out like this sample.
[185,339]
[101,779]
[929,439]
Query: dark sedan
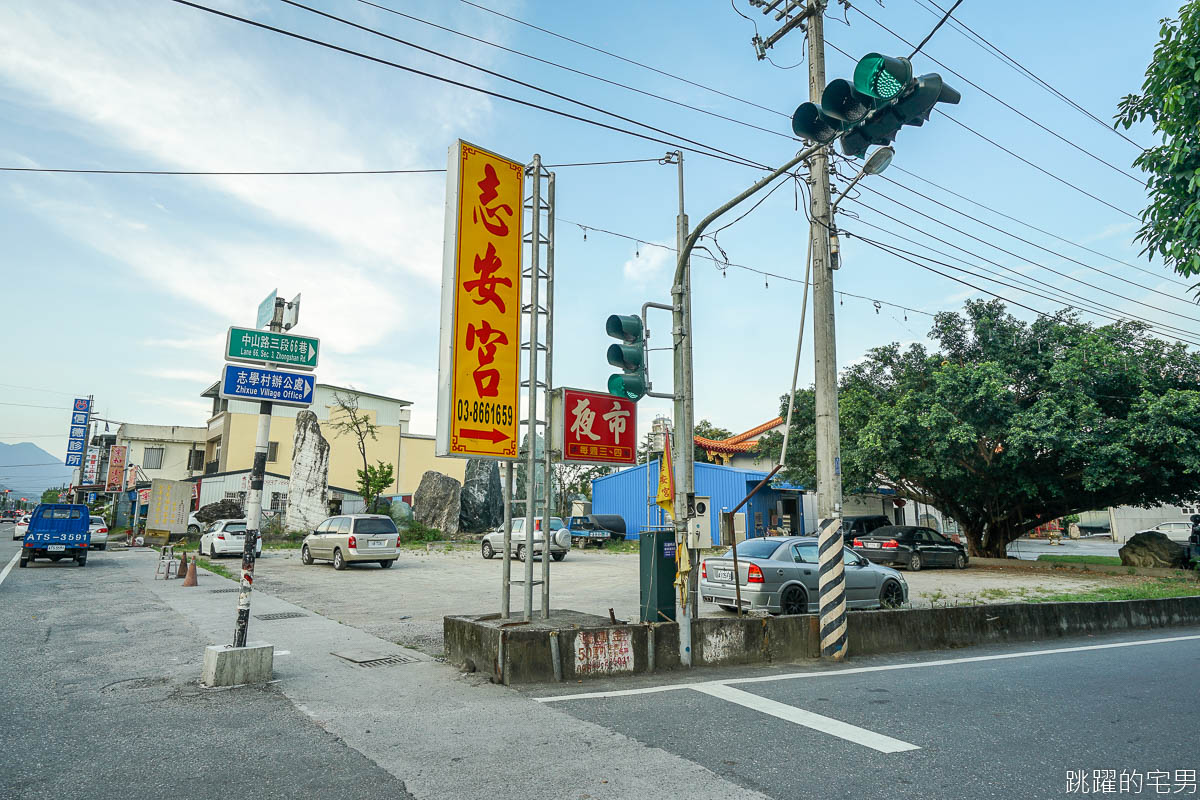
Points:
[910,546]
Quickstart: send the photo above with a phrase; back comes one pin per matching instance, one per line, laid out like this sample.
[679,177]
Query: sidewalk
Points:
[446,735]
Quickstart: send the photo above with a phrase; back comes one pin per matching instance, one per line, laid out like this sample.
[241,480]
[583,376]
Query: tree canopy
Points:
[1007,425]
[1171,222]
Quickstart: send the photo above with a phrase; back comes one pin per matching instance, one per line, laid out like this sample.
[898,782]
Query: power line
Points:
[26,405]
[297,172]
[623,58]
[584,73]
[940,23]
[1007,105]
[452,82]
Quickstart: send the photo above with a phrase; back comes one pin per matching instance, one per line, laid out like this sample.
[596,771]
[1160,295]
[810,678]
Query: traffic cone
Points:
[190,580]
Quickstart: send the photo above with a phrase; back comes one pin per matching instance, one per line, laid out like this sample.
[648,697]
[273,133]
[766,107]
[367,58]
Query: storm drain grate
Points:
[281,615]
[220,591]
[367,659]
[385,662]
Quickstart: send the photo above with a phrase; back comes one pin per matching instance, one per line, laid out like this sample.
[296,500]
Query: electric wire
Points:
[929,35]
[299,172]
[584,73]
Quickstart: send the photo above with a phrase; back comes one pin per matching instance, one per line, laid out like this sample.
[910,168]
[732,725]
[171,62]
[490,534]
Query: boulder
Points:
[438,503]
[482,502]
[222,509]
[308,486]
[1153,549]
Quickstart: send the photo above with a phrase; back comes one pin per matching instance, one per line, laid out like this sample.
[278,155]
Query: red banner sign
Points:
[116,468]
[596,428]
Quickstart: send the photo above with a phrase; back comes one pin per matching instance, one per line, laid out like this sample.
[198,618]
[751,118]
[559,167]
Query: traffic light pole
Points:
[832,571]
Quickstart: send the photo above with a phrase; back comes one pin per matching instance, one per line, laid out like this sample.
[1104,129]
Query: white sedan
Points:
[20,528]
[226,537]
[99,531]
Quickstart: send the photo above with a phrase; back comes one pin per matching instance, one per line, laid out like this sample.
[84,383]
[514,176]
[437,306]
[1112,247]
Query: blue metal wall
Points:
[627,493]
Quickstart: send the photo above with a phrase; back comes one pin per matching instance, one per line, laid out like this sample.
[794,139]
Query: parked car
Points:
[779,574]
[20,528]
[57,531]
[911,546]
[226,537]
[99,531]
[1178,531]
[560,540]
[352,538]
[596,528]
[862,525]
[195,526]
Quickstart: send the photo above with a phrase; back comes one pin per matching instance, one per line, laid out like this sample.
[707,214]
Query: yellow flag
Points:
[666,479]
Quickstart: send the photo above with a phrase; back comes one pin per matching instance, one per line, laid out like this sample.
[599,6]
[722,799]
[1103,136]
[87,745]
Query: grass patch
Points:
[219,569]
[1143,590]
[621,546]
[1107,560]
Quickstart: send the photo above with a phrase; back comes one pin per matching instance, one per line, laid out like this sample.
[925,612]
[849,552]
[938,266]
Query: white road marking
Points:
[860,670]
[8,568]
[834,727]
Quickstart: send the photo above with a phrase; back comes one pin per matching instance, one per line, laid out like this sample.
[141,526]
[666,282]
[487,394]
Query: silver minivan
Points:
[351,538]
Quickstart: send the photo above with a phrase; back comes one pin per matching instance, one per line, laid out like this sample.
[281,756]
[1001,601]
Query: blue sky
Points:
[123,286]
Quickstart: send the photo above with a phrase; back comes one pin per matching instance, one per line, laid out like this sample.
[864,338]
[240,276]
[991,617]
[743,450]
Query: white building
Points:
[174,452]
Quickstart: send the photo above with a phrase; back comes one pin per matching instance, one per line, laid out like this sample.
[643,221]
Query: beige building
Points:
[174,452]
[233,425]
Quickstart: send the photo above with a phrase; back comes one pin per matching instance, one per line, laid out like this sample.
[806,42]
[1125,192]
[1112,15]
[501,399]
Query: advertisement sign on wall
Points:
[594,427]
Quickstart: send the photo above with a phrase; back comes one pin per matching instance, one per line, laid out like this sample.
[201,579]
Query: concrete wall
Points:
[417,457]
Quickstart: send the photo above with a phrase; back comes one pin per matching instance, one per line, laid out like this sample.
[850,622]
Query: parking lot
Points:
[406,604]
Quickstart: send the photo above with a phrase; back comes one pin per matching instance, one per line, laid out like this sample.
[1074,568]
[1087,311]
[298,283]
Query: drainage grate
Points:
[281,615]
[220,591]
[367,659]
[385,662]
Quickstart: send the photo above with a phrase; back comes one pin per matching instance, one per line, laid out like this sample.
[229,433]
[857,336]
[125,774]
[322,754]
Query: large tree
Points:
[1008,425]
[1169,100]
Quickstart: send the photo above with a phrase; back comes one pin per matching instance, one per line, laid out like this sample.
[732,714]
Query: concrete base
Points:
[225,665]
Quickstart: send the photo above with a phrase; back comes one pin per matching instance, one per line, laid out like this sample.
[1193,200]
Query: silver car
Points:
[778,574]
[560,540]
[352,538]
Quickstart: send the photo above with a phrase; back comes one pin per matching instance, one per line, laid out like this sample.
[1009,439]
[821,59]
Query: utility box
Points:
[657,575]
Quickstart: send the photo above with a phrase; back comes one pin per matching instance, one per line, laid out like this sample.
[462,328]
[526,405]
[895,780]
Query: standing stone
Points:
[438,503]
[308,488]
[1152,549]
[482,503]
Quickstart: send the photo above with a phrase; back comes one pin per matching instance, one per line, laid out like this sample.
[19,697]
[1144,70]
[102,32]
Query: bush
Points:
[416,533]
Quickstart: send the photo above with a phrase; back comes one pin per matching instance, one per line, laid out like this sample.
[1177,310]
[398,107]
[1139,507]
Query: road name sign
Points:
[266,309]
[264,347]
[255,383]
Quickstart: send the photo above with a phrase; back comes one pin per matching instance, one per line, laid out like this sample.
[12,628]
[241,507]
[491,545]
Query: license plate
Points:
[56,548]
[722,574]
[379,543]
[872,545]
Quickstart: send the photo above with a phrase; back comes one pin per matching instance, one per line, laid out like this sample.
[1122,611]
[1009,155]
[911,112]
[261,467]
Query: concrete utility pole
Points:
[832,572]
[254,498]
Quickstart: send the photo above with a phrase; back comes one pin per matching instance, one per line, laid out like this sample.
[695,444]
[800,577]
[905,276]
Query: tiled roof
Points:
[742,443]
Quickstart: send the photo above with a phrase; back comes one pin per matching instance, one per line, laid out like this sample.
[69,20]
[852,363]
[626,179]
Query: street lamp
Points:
[877,163]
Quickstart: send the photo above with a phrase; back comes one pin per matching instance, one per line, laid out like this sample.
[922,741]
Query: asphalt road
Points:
[100,699]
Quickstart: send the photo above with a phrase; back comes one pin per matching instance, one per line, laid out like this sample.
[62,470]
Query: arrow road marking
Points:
[493,435]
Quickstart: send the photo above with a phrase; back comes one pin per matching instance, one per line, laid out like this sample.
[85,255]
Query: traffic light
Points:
[629,356]
[883,97]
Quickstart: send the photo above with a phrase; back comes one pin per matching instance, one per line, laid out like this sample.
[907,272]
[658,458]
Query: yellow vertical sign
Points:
[479,369]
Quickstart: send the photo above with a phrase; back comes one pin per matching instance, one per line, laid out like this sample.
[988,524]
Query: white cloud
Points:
[648,264]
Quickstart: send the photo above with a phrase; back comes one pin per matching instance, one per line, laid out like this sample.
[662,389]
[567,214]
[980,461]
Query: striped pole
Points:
[831,588]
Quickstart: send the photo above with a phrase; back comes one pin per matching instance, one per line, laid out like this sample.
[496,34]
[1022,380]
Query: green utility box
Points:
[657,573]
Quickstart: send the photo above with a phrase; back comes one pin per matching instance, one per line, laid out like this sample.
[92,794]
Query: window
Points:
[231,495]
[756,548]
[272,451]
[1189,510]
[343,525]
[235,527]
[937,538]
[805,553]
[850,558]
[152,458]
[324,526]
[374,526]
[196,460]
[278,501]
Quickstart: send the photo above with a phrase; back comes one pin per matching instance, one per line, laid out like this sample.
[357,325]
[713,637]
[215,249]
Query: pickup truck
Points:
[57,531]
[596,529]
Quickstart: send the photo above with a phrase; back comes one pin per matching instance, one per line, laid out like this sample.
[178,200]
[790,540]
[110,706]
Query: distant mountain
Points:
[29,470]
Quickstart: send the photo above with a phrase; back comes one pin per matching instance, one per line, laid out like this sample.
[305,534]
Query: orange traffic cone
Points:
[190,580]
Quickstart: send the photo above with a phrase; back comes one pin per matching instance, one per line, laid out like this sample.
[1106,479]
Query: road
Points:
[101,700]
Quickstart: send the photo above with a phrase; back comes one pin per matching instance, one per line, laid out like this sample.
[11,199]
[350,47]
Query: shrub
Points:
[416,533]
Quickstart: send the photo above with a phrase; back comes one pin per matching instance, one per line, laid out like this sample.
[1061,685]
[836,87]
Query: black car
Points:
[910,546]
[862,525]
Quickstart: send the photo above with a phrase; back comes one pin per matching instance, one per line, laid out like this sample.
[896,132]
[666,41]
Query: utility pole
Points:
[254,499]
[832,572]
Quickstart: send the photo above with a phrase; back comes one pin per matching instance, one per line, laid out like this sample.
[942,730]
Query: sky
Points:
[122,286]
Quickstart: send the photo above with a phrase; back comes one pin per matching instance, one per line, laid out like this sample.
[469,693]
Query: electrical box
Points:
[657,575]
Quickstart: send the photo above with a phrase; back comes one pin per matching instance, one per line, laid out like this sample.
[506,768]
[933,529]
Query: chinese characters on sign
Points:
[478,380]
[255,383]
[81,413]
[594,427]
[284,349]
[116,468]
[603,652]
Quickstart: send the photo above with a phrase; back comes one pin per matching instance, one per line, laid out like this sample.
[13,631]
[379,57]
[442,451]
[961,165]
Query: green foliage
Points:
[50,495]
[1009,425]
[373,481]
[706,430]
[1111,561]
[1171,222]
[417,533]
[1141,590]
[573,482]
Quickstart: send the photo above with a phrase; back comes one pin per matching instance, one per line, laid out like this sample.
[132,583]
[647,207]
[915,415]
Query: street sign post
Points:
[480,350]
[594,427]
[264,347]
[268,385]
[266,310]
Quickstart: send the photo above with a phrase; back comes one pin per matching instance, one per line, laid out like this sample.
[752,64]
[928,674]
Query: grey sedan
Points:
[778,574]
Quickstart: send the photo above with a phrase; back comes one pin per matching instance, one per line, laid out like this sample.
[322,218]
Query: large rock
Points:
[482,502]
[438,503]
[222,509]
[308,487]
[1153,549]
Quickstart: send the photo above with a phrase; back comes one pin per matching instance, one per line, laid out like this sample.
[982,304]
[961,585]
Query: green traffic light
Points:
[630,386]
[882,76]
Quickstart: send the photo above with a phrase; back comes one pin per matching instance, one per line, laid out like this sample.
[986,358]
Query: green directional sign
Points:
[265,347]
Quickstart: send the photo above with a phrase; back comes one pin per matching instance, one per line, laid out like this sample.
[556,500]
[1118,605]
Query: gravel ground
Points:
[406,603]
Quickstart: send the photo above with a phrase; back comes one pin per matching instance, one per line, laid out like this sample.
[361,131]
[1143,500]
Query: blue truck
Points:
[57,531]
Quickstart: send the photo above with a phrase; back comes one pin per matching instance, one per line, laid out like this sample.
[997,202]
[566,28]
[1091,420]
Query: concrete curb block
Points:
[516,656]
